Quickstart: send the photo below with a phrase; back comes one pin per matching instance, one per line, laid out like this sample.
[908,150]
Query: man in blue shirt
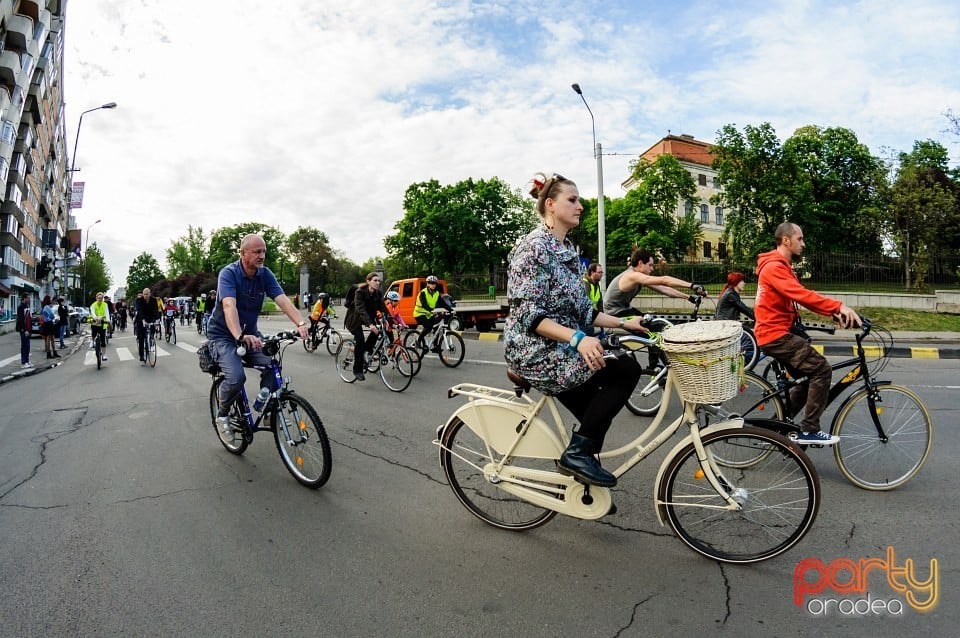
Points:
[241,288]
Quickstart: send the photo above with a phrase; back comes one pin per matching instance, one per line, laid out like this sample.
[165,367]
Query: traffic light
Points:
[43,268]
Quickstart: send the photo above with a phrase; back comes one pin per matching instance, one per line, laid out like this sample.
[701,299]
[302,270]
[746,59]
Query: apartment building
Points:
[34,213]
[695,156]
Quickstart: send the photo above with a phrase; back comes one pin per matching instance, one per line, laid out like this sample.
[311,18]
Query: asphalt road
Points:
[121,514]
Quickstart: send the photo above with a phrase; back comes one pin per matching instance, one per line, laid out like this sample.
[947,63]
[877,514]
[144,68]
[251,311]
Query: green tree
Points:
[756,189]
[225,245]
[310,246]
[187,254]
[837,188]
[467,227]
[924,213]
[144,272]
[94,273]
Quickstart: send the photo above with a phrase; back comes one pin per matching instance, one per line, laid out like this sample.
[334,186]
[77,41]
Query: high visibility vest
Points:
[595,294]
[419,309]
[100,312]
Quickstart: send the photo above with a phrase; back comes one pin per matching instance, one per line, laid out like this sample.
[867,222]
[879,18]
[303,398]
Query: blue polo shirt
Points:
[249,293]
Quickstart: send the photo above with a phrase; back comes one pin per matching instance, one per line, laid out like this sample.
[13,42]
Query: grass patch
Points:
[898,319]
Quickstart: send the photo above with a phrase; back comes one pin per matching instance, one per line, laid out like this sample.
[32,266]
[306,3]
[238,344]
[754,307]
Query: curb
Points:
[828,350]
[37,369]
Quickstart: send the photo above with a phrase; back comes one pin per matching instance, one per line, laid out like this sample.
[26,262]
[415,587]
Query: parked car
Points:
[78,315]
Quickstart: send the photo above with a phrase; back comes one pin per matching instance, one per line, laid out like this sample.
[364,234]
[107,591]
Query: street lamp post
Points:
[76,139]
[323,275]
[601,220]
[83,293]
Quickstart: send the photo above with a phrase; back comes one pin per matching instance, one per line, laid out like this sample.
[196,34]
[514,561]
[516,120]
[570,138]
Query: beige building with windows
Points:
[34,210]
[695,156]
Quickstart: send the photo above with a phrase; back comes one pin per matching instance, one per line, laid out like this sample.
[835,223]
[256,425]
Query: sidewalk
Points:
[10,369]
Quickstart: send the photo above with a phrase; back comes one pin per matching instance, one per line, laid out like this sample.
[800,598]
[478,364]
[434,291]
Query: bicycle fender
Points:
[501,426]
[722,425]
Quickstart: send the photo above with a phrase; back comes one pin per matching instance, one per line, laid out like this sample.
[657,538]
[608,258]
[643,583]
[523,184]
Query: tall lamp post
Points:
[83,294]
[323,275]
[601,220]
[76,139]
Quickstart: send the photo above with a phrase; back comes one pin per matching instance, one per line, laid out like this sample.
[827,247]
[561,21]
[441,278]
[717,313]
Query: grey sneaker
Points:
[223,424]
[26,365]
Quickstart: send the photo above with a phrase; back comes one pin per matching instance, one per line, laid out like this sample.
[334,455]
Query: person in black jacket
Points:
[146,312]
[367,300]
[24,319]
[729,304]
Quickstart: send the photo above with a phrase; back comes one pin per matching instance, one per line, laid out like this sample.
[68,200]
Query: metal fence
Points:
[838,271]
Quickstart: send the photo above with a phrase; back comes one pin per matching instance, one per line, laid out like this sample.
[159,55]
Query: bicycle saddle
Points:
[520,384]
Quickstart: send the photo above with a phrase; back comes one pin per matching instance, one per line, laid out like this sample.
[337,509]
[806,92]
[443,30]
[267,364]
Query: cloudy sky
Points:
[299,112]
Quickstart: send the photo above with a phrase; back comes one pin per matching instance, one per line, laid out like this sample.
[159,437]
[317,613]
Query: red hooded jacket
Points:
[777,290]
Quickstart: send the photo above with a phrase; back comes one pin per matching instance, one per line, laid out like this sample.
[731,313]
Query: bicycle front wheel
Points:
[301,440]
[334,341]
[345,361]
[411,340]
[396,369]
[463,456]
[451,349]
[238,444]
[867,460]
[99,352]
[173,335]
[152,351]
[778,498]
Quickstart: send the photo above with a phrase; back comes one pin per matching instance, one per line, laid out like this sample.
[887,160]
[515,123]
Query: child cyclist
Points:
[392,302]
[321,312]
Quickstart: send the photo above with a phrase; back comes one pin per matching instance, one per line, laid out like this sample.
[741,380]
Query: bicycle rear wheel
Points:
[345,361]
[463,456]
[301,440]
[451,349]
[396,369]
[768,412]
[749,349]
[239,443]
[865,459]
[311,342]
[334,341]
[778,498]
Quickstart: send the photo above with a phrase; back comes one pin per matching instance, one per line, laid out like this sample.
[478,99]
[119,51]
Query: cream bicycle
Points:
[499,455]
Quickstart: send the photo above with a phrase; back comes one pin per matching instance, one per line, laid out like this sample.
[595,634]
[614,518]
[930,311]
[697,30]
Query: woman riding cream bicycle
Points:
[544,335]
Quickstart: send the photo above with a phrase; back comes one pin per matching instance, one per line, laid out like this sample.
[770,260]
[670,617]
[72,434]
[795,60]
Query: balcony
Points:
[31,8]
[19,31]
[9,67]
[4,98]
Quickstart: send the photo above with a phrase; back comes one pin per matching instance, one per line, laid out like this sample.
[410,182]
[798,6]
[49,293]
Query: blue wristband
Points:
[575,339]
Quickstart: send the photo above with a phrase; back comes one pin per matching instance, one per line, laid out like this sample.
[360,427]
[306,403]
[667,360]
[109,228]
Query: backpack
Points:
[351,293]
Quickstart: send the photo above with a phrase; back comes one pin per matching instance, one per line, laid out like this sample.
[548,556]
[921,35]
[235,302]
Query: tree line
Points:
[824,179]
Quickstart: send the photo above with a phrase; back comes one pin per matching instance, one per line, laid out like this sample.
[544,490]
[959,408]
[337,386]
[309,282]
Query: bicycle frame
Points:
[860,372]
[516,429]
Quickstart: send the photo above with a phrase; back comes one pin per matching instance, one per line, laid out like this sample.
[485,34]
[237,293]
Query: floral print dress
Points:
[545,280]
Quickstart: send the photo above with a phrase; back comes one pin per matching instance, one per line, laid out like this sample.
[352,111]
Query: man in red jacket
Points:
[778,293]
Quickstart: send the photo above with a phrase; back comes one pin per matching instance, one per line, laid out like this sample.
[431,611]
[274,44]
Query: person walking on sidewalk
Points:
[64,316]
[24,320]
[778,294]
[48,328]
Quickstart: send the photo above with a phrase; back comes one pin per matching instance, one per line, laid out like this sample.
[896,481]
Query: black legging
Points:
[596,402]
[361,346]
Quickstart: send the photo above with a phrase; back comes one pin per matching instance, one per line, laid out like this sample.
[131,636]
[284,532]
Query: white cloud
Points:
[323,113]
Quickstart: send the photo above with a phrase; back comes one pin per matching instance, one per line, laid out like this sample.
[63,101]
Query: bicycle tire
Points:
[863,458]
[167,334]
[411,341]
[344,361]
[749,349]
[152,351]
[749,399]
[452,349]
[396,369]
[98,351]
[334,341]
[306,454]
[647,395]
[460,450]
[779,499]
[416,359]
[311,342]
[173,335]
[239,443]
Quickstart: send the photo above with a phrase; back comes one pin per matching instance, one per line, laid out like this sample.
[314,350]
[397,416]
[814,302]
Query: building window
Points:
[706,250]
[702,179]
[688,208]
[704,214]
[8,134]
[716,182]
[719,215]
[722,250]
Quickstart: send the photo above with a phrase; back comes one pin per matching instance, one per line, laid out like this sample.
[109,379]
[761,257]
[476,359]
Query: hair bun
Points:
[538,182]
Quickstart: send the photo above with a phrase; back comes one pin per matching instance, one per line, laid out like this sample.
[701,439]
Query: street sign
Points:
[76,195]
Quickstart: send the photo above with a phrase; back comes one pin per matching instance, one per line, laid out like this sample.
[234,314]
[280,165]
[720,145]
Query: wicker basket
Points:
[705,359]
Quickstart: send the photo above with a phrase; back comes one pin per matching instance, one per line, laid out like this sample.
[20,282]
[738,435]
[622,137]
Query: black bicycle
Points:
[885,429]
[297,430]
[322,331]
[442,340]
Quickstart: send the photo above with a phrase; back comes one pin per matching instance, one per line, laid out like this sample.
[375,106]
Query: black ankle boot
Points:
[579,460]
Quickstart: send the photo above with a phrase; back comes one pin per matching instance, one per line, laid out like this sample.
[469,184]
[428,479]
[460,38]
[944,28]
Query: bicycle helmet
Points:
[432,279]
[324,295]
[393,296]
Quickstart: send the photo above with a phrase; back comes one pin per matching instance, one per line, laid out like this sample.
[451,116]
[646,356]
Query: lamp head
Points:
[109,105]
[576,89]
